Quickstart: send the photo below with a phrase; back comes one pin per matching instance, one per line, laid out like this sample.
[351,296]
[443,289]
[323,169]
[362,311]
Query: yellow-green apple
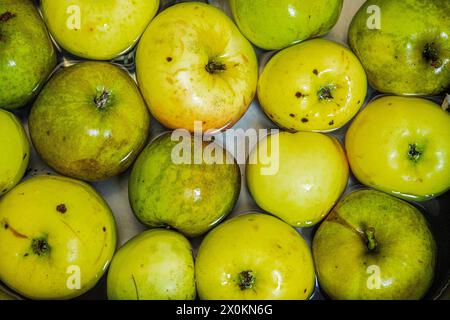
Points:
[57,238]
[14,150]
[404,45]
[155,265]
[101,29]
[193,65]
[190,196]
[317,85]
[312,174]
[374,246]
[90,121]
[277,24]
[254,257]
[27,56]
[400,145]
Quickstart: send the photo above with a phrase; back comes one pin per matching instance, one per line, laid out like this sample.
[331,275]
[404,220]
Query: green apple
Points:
[193,65]
[190,197]
[404,45]
[401,145]
[317,85]
[254,257]
[277,24]
[27,56]
[57,237]
[14,150]
[374,246]
[312,174]
[155,265]
[90,121]
[99,30]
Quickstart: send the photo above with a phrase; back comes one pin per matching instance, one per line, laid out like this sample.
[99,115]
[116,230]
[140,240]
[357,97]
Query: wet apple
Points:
[14,150]
[57,238]
[98,30]
[317,85]
[400,145]
[254,257]
[193,65]
[90,121]
[155,265]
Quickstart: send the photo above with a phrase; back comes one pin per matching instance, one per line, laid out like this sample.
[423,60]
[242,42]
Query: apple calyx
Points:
[431,55]
[215,67]
[102,98]
[326,93]
[371,241]
[414,153]
[40,246]
[246,280]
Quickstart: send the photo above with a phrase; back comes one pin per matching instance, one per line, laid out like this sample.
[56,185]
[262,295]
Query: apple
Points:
[90,121]
[57,237]
[14,150]
[193,65]
[274,25]
[312,174]
[400,145]
[374,246]
[189,197]
[155,265]
[317,85]
[254,257]
[404,45]
[27,56]
[99,30]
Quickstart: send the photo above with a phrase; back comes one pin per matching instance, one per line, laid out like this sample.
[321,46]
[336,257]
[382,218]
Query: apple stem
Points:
[431,54]
[246,280]
[372,243]
[40,246]
[414,153]
[214,67]
[102,99]
[326,93]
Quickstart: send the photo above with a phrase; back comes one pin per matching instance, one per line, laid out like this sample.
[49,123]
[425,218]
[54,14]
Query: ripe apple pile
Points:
[196,66]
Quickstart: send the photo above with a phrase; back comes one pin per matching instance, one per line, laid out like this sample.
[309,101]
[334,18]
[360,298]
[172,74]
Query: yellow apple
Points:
[317,85]
[254,257]
[14,151]
[155,265]
[401,145]
[101,29]
[312,174]
[57,237]
[193,65]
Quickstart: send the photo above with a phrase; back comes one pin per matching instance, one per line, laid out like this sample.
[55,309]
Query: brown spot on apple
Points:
[61,208]
[4,17]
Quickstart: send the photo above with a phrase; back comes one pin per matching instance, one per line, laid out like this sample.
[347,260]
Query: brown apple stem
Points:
[246,280]
[214,67]
[431,54]
[372,243]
